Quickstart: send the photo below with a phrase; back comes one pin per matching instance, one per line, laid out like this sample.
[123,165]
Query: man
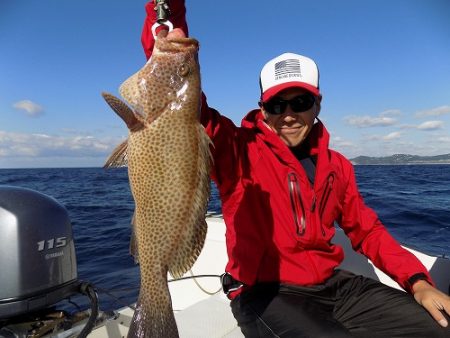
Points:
[282,189]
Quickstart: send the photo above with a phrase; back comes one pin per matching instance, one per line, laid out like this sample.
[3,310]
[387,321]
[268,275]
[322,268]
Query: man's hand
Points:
[433,300]
[175,33]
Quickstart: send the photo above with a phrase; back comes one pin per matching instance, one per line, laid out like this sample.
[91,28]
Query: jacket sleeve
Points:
[177,17]
[370,237]
[227,147]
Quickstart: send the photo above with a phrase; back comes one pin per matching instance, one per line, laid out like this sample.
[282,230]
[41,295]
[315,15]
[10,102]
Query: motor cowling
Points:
[37,252]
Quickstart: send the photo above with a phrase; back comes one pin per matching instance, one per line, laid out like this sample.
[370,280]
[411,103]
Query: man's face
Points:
[292,127]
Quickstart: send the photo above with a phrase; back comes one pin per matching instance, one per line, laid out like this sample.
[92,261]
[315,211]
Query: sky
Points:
[384,71]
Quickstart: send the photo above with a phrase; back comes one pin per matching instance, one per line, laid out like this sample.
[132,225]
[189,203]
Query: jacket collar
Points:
[316,144]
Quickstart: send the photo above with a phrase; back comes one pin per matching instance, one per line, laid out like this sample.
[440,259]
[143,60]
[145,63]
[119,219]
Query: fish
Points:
[169,160]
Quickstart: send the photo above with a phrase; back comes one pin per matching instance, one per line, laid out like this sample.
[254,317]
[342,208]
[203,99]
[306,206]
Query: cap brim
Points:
[271,92]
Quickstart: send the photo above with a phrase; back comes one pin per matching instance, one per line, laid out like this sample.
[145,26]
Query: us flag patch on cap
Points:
[286,67]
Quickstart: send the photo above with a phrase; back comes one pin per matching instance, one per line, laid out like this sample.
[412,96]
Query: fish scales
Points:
[168,166]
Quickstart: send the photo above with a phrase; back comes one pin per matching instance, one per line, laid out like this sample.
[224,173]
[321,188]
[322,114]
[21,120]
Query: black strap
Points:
[229,284]
[417,277]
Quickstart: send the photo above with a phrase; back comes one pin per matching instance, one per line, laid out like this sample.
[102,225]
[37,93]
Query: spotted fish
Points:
[169,160]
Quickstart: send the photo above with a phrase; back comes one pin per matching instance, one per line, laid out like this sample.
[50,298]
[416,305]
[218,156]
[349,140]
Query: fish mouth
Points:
[182,40]
[176,44]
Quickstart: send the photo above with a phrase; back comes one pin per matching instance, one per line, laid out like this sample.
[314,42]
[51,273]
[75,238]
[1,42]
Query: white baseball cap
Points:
[288,70]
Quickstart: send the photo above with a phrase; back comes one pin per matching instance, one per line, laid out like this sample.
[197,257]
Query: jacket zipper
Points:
[298,209]
[326,195]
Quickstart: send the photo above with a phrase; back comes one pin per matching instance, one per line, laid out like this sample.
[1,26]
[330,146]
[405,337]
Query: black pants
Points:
[345,306]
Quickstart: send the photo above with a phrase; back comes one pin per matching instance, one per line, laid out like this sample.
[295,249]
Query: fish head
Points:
[166,80]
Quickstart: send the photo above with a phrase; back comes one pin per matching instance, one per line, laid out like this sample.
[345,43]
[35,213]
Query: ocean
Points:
[412,201]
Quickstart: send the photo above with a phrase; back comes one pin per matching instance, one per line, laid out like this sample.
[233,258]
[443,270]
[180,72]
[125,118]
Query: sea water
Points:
[412,201]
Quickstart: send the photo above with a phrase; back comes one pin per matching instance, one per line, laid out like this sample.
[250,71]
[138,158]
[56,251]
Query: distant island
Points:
[402,159]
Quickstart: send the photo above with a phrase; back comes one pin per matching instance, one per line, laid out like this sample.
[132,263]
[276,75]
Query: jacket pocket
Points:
[326,193]
[325,197]
[297,207]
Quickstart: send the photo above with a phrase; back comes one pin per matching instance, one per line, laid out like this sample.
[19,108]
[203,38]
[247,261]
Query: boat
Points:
[200,307]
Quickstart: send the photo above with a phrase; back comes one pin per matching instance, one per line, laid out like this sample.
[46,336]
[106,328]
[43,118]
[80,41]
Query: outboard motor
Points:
[37,253]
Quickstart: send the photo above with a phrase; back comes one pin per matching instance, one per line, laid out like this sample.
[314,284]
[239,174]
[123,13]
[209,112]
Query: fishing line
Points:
[116,298]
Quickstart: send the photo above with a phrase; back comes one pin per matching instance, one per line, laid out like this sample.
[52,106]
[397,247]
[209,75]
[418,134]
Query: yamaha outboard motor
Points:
[37,252]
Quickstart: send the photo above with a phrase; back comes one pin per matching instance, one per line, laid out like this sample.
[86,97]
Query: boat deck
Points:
[202,310]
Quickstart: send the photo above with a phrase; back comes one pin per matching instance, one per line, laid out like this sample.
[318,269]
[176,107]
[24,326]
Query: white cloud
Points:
[30,108]
[407,126]
[392,136]
[438,111]
[379,147]
[372,137]
[370,121]
[339,142]
[430,125]
[444,139]
[389,137]
[14,145]
[391,112]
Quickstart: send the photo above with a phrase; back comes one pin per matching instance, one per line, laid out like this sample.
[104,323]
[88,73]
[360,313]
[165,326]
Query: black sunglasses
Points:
[298,104]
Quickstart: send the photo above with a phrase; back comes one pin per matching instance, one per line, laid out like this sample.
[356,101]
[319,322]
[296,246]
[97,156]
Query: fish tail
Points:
[151,321]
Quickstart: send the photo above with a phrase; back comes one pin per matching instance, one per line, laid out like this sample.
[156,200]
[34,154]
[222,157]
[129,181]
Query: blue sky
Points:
[384,65]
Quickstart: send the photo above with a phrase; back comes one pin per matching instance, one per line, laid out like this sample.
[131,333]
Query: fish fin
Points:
[188,250]
[133,240]
[192,244]
[119,157]
[129,90]
[121,108]
[207,144]
[154,315]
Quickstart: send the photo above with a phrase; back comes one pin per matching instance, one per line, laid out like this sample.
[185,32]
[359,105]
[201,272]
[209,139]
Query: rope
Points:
[200,287]
[192,276]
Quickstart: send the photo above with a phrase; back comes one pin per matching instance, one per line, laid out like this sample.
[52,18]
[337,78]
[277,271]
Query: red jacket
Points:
[279,227]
